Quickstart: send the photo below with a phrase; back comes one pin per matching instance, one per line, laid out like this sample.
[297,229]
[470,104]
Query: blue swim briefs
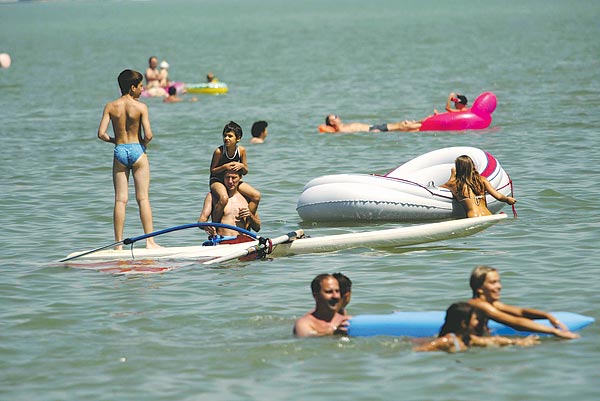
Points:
[128,153]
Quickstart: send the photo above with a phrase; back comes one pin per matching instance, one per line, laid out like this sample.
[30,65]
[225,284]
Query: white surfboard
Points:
[395,237]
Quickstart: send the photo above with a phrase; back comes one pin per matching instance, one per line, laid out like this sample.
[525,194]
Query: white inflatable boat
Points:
[407,193]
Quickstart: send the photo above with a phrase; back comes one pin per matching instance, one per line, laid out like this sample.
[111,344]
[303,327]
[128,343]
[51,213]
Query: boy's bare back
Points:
[128,117]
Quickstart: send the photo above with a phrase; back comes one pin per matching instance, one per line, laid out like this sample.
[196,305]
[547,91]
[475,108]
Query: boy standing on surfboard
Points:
[129,118]
[230,156]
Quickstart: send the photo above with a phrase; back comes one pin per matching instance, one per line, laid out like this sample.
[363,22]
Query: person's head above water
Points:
[258,128]
[127,79]
[234,127]
[460,101]
[330,118]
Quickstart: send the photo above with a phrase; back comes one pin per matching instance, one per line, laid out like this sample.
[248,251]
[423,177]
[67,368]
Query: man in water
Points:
[336,123]
[235,213]
[324,320]
[259,132]
[152,73]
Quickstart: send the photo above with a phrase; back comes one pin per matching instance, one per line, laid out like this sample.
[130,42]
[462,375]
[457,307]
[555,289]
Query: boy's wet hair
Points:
[462,99]
[344,281]
[234,127]
[258,128]
[127,78]
[172,90]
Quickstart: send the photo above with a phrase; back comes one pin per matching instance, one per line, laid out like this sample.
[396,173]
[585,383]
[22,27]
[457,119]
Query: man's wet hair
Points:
[462,99]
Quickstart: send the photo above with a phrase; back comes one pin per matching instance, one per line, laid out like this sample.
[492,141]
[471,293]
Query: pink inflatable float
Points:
[163,92]
[479,116]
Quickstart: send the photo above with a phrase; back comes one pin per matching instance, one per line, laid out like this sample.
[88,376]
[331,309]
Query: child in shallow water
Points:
[458,333]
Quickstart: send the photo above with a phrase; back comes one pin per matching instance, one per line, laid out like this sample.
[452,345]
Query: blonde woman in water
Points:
[469,188]
[486,286]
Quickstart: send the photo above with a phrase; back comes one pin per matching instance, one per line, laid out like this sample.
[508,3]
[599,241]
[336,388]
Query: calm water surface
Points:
[225,333]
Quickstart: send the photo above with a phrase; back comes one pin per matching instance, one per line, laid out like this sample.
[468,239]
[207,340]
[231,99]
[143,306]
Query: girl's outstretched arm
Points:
[492,191]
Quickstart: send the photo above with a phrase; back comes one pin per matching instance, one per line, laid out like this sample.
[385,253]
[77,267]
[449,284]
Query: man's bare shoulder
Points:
[304,325]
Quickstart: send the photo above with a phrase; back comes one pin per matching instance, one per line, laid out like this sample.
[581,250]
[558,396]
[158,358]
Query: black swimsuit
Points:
[378,127]
[220,177]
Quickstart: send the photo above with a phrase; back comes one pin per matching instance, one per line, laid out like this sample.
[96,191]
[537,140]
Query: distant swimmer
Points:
[460,103]
[132,133]
[152,73]
[164,74]
[259,132]
[333,123]
[486,286]
[325,319]
[469,188]
[173,98]
[210,78]
[458,333]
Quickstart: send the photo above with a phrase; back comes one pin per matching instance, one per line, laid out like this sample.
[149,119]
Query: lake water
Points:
[200,333]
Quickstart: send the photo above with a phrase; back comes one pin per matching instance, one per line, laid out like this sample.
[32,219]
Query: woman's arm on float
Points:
[518,322]
[492,191]
[531,313]
[451,183]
